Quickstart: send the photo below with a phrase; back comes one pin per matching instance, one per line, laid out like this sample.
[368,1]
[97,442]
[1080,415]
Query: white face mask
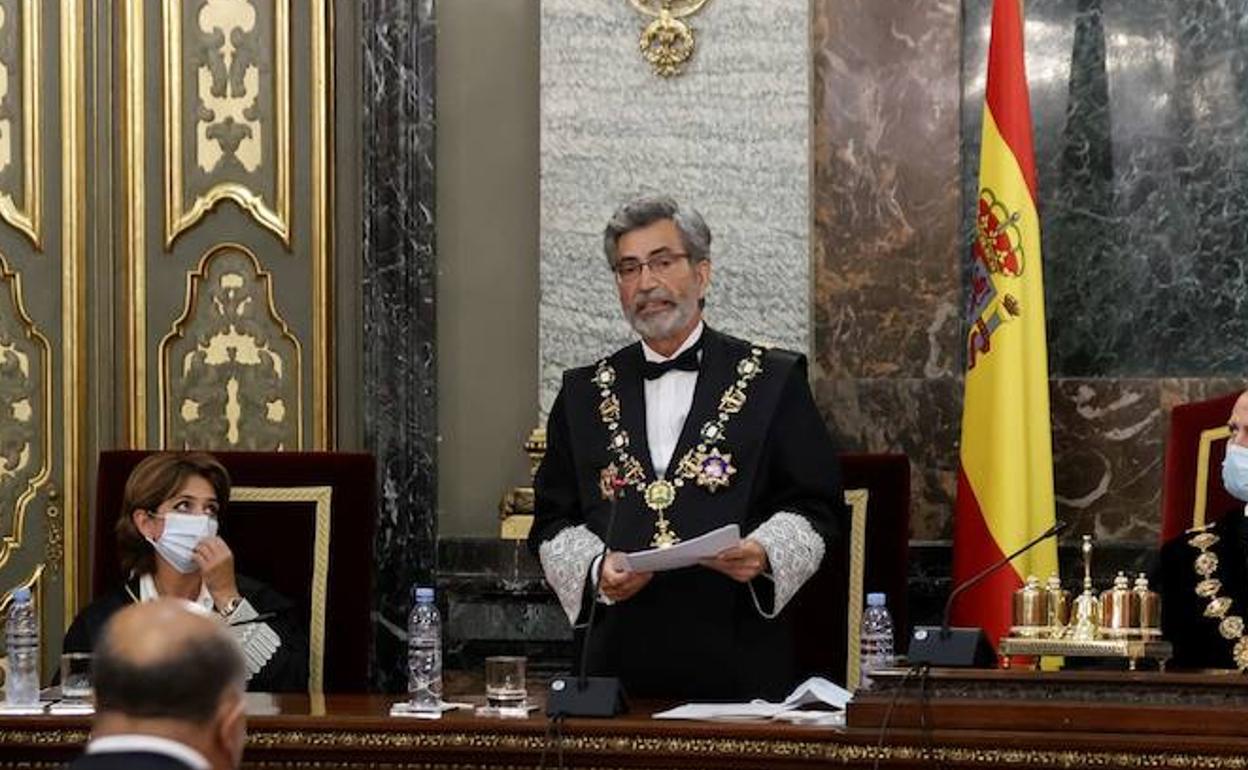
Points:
[1235,471]
[183,531]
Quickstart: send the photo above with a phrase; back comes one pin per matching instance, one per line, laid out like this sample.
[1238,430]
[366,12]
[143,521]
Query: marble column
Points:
[400,376]
[886,249]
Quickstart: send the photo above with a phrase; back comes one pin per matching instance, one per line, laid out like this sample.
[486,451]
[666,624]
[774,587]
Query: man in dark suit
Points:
[168,680]
[691,430]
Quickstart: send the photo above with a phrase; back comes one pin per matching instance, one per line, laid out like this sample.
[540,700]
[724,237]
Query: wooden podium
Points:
[951,719]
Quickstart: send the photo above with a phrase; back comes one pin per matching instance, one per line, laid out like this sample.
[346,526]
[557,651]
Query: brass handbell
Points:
[1031,604]
[1085,625]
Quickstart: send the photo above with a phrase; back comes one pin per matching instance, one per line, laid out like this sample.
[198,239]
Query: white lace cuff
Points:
[258,640]
[794,551]
[565,560]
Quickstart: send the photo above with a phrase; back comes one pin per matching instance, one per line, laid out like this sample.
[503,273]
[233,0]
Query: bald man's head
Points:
[167,659]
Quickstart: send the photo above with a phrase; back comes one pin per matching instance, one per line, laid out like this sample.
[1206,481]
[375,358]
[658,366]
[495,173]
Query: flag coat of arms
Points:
[1005,460]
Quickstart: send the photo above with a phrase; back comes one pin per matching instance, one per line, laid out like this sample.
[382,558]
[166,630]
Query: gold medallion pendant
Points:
[659,496]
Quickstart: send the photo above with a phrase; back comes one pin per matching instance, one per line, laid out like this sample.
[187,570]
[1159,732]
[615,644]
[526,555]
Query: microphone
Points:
[590,696]
[966,647]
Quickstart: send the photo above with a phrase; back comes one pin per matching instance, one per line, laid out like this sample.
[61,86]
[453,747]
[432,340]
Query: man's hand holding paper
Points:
[618,581]
[742,562]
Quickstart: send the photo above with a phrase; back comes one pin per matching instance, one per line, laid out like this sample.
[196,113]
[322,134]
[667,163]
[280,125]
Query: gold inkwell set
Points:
[1122,622]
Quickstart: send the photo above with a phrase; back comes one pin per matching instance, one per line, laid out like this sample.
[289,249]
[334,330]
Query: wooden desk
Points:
[355,732]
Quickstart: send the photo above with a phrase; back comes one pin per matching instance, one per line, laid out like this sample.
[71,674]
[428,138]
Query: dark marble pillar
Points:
[400,375]
[886,247]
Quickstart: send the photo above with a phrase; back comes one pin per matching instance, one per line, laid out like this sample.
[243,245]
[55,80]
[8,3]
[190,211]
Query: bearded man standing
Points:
[697,430]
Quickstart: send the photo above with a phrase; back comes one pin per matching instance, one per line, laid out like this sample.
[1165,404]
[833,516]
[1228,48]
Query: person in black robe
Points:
[690,429]
[1203,573]
[168,546]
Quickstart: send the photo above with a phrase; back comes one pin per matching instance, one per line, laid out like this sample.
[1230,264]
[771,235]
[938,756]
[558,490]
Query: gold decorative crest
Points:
[667,43]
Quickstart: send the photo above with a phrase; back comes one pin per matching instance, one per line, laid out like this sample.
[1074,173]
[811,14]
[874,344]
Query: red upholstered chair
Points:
[873,556]
[301,522]
[1191,492]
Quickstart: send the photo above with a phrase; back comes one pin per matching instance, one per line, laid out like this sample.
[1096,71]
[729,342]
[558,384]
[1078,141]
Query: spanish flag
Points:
[1005,464]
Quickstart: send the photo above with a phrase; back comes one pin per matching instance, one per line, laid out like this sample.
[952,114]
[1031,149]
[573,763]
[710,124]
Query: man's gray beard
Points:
[663,325]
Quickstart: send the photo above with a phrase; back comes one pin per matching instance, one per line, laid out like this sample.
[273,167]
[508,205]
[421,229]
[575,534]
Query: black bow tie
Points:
[687,361]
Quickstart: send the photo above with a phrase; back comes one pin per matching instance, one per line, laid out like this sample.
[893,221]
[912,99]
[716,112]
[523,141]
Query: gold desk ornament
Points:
[1120,611]
[1150,608]
[667,43]
[1085,626]
[1031,609]
[515,511]
[1058,617]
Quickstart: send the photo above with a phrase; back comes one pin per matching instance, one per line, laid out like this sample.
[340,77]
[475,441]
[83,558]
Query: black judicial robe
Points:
[1197,641]
[286,671]
[694,632]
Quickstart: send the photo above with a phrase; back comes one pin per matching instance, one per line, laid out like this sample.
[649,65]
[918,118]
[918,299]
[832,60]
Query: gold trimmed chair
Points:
[872,556]
[302,522]
[1192,493]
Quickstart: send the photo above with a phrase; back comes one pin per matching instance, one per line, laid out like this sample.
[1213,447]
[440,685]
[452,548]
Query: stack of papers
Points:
[686,553]
[812,691]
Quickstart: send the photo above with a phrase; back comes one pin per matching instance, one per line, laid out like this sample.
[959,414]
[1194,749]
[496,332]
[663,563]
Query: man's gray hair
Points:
[646,210]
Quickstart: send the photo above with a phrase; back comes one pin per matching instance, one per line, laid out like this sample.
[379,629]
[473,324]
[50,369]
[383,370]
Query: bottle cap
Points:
[875,600]
[21,595]
[424,595]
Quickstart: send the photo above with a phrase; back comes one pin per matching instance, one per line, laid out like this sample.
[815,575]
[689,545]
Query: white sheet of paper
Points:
[686,553]
[813,690]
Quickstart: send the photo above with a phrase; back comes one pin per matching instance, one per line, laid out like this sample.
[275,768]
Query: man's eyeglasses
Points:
[629,269]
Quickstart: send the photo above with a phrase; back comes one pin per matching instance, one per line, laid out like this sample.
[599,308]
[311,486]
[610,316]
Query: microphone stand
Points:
[590,696]
[966,647]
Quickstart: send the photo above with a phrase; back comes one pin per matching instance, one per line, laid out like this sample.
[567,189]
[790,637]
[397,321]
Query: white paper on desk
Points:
[813,690]
[686,553]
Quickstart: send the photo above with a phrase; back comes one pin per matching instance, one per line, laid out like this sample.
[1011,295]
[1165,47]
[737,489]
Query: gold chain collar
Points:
[703,464]
[1231,627]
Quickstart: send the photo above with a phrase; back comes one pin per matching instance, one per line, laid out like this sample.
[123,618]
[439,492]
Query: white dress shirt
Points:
[668,401]
[117,744]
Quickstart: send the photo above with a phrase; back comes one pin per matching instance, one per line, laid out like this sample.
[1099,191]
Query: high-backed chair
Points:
[872,556]
[1191,492]
[301,522]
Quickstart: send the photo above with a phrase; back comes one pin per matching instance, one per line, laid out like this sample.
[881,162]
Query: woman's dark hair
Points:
[154,480]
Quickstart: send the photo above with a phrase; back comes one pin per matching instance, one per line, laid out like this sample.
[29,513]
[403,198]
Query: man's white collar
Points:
[114,744]
[689,342]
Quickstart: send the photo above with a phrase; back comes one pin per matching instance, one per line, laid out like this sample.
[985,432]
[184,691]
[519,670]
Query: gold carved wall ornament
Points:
[21,195]
[230,369]
[233,59]
[667,43]
[25,413]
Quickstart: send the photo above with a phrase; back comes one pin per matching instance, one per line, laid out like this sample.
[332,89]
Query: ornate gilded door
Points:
[43,232]
[226,238]
[166,252]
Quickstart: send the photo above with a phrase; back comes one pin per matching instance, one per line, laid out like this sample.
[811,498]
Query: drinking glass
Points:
[76,678]
[504,681]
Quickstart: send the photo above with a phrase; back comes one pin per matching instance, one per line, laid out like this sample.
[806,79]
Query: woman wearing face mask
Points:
[1203,573]
[168,545]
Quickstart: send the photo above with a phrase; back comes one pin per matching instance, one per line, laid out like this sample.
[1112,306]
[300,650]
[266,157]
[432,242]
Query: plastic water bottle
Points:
[22,647]
[424,653]
[877,639]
